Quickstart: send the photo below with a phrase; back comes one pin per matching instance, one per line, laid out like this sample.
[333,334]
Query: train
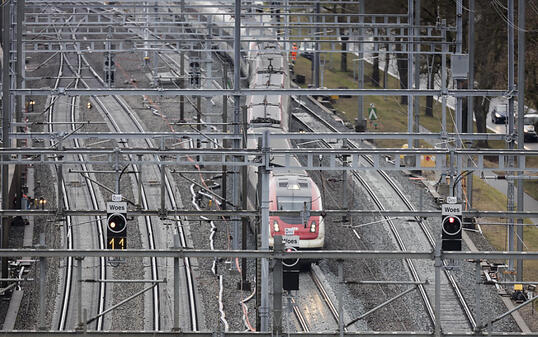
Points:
[292,189]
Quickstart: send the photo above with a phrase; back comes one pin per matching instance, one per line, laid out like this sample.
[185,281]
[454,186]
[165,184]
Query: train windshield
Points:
[294,203]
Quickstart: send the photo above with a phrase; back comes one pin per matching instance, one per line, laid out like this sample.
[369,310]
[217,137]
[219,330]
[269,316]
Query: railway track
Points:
[68,270]
[65,308]
[118,102]
[455,314]
[312,306]
[128,124]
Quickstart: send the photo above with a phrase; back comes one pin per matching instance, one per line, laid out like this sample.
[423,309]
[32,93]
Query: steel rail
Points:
[178,222]
[401,245]
[325,296]
[68,279]
[91,190]
[151,241]
[147,218]
[465,307]
[457,291]
[179,227]
[299,316]
[69,221]
[379,205]
[431,240]
[183,240]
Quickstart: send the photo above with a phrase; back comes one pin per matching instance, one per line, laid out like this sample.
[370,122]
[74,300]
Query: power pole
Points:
[244,205]
[416,109]
[264,218]
[409,49]
[316,74]
[182,68]
[224,129]
[520,111]
[470,99]
[236,120]
[6,126]
[510,129]
[361,121]
[459,85]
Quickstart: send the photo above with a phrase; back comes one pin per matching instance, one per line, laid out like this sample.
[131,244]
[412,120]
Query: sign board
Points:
[116,243]
[451,200]
[116,197]
[116,207]
[459,64]
[290,240]
[289,231]
[372,114]
[452,209]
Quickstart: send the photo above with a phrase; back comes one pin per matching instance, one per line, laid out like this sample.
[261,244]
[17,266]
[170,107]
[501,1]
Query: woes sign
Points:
[116,207]
[452,209]
[290,240]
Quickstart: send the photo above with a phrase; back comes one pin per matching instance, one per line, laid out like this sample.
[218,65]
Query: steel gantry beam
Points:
[269,254]
[163,136]
[383,159]
[259,92]
[218,214]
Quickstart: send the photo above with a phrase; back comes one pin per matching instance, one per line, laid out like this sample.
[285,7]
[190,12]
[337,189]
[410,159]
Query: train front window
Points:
[294,203]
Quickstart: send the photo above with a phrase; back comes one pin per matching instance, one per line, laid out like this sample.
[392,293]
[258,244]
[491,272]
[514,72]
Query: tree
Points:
[401,62]
[432,68]
[490,63]
[344,38]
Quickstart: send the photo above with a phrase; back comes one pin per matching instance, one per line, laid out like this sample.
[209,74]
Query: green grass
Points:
[489,199]
[392,115]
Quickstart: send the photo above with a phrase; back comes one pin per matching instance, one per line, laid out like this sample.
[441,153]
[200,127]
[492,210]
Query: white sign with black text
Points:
[452,209]
[290,240]
[116,207]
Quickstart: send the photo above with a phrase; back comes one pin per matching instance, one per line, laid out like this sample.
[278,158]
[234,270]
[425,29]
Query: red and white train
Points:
[290,189]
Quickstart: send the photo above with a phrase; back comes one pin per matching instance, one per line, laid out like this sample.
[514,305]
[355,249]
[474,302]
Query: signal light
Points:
[290,275]
[290,262]
[116,227]
[116,231]
[116,223]
[451,232]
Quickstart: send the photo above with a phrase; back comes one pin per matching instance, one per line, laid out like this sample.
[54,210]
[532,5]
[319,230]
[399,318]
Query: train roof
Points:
[270,63]
[266,80]
[278,143]
[268,57]
[293,186]
[264,113]
[261,81]
[264,99]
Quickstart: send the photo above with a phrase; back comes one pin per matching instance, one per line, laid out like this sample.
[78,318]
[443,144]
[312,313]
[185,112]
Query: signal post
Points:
[451,227]
[116,231]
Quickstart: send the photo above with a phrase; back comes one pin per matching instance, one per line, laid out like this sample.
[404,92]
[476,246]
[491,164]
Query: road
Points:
[501,128]
[451,101]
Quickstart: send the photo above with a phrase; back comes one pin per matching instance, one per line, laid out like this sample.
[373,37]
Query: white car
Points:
[529,127]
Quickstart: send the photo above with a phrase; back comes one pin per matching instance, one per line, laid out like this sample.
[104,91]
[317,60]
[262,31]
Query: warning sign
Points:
[372,113]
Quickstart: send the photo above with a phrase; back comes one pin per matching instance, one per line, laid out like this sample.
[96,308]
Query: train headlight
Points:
[276,228]
[313,227]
